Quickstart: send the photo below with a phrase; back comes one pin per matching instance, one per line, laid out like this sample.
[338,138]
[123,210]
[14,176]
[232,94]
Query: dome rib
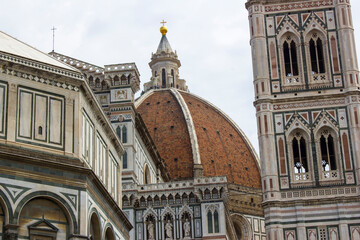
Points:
[247,141]
[190,126]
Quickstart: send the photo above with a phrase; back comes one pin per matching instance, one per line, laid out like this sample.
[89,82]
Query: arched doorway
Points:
[95,232]
[43,219]
[242,227]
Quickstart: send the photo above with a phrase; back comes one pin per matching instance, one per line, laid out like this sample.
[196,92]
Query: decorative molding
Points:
[41,66]
[14,191]
[318,193]
[309,104]
[38,79]
[298,6]
[72,199]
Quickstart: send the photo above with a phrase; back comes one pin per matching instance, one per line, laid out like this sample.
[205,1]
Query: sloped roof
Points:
[164,45]
[16,47]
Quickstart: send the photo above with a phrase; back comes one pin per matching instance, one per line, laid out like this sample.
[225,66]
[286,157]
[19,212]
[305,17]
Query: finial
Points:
[163,29]
[53,30]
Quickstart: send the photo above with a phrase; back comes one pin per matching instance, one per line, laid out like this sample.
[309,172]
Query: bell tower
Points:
[307,100]
[165,66]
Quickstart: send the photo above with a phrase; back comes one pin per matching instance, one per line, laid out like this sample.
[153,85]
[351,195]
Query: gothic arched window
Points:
[124,134]
[210,222]
[316,54]
[125,162]
[103,85]
[116,81]
[290,57]
[91,80]
[97,82]
[327,154]
[216,221]
[163,78]
[173,77]
[300,157]
[213,221]
[118,132]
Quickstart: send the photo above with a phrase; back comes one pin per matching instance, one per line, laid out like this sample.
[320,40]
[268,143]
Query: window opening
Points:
[124,134]
[216,221]
[328,159]
[163,76]
[210,222]
[125,163]
[118,132]
[290,57]
[317,55]
[40,130]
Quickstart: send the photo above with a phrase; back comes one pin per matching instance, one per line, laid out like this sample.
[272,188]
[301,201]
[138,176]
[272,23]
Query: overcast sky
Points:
[211,38]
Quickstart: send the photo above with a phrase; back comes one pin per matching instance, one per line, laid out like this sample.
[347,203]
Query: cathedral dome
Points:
[193,135]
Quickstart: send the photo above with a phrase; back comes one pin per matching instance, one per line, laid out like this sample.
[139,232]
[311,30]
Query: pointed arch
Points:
[290,59]
[97,83]
[91,80]
[147,175]
[328,153]
[163,78]
[104,85]
[242,226]
[116,80]
[125,160]
[300,163]
[317,55]
[124,134]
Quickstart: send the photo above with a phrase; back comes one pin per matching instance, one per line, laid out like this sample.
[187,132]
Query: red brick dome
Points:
[187,130]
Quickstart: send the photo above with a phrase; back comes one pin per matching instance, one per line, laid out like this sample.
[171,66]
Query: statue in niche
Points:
[151,231]
[187,229]
[168,230]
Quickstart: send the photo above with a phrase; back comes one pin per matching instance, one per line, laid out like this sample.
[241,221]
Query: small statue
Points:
[168,230]
[187,228]
[151,231]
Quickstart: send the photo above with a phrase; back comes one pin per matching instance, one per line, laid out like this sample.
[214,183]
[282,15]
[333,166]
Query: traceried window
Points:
[316,54]
[290,57]
[213,221]
[118,132]
[124,134]
[103,85]
[97,82]
[329,167]
[163,78]
[299,157]
[125,161]
[116,81]
[91,81]
[210,222]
